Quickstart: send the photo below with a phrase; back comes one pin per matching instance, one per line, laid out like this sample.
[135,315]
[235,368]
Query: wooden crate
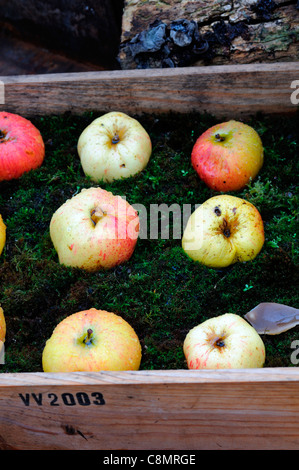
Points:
[166,410]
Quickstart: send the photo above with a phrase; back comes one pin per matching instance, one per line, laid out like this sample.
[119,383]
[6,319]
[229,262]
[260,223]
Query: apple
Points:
[92,340]
[224,342]
[2,234]
[228,155]
[223,230]
[94,229]
[21,146]
[114,146]
[2,326]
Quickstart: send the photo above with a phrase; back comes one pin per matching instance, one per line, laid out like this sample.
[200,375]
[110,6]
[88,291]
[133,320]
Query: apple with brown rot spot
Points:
[21,146]
[94,230]
[224,230]
[224,342]
[92,340]
[114,146]
[228,156]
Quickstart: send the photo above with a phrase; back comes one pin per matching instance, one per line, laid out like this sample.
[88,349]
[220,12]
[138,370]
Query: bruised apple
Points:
[94,229]
[114,146]
[2,234]
[224,230]
[224,342]
[21,146]
[92,340]
[228,155]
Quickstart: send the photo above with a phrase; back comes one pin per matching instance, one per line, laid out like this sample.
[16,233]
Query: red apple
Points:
[94,229]
[228,155]
[92,340]
[21,146]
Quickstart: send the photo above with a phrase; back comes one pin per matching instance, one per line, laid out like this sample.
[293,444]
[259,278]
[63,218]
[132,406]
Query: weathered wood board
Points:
[241,90]
[151,410]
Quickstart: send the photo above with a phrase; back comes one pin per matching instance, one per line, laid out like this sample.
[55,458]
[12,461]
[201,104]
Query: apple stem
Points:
[115,139]
[87,339]
[97,214]
[219,138]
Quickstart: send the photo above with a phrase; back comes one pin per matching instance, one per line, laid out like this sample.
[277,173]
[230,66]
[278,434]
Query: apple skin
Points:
[224,230]
[2,234]
[114,146]
[94,230]
[2,326]
[21,145]
[113,344]
[227,156]
[224,342]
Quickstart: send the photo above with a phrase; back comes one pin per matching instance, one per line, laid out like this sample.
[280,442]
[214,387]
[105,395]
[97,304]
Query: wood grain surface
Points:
[151,410]
[234,91]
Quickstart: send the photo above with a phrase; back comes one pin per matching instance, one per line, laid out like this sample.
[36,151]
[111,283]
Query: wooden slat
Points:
[151,410]
[234,90]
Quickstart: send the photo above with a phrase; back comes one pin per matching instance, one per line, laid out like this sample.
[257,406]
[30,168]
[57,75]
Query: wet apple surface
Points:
[159,291]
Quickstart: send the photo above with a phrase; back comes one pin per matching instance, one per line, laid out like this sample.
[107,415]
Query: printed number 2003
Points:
[68,399]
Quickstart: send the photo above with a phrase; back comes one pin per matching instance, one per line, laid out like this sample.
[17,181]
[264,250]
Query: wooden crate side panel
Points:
[151,414]
[233,91]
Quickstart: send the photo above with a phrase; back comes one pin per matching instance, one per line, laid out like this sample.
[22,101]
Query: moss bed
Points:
[159,291]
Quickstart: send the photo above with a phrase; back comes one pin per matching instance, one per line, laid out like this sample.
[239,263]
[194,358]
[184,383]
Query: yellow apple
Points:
[228,155]
[94,229]
[224,230]
[92,340]
[2,234]
[224,342]
[114,146]
[2,326]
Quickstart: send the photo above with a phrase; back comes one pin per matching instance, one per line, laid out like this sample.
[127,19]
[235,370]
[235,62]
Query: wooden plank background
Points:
[232,90]
[151,410]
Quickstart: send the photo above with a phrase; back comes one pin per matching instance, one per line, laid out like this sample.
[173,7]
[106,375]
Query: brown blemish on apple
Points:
[217,211]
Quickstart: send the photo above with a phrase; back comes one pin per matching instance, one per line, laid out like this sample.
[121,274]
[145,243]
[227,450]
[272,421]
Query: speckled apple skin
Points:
[230,165]
[204,238]
[116,346]
[243,348]
[2,326]
[22,149]
[82,244]
[2,234]
[103,160]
